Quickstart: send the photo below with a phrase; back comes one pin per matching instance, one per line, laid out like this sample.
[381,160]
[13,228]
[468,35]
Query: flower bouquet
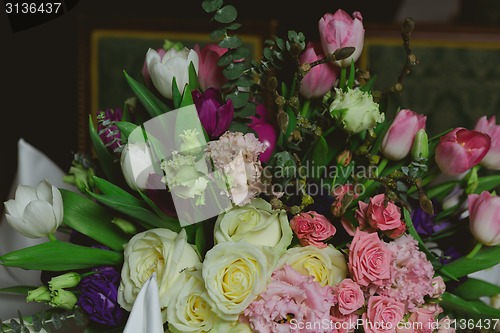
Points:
[266,195]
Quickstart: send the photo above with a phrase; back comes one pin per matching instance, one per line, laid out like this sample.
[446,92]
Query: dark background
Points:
[38,98]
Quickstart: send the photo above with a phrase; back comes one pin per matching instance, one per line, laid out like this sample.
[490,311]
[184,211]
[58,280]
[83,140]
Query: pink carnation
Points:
[369,259]
[382,315]
[411,274]
[290,295]
[312,228]
[349,295]
[381,215]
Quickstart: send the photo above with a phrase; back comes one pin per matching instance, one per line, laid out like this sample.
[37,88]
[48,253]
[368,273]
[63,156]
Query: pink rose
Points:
[439,287]
[349,295]
[312,228]
[382,315]
[380,216]
[209,73]
[343,323]
[460,150]
[369,259]
[424,319]
[489,126]
[446,325]
[484,220]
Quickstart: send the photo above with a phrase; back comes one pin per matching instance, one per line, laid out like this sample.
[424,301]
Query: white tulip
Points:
[137,165]
[35,212]
[174,63]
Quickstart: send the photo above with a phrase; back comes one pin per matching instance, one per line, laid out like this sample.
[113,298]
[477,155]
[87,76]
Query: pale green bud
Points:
[420,147]
[63,299]
[68,280]
[40,294]
[126,226]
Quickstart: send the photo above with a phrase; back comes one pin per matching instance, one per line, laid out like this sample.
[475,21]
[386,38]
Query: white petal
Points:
[152,57]
[25,194]
[159,76]
[22,227]
[44,191]
[193,57]
[11,208]
[40,217]
[57,205]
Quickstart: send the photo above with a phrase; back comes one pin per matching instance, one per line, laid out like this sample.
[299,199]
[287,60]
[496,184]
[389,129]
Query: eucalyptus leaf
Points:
[238,98]
[218,33]
[234,70]
[233,26]
[226,14]
[60,256]
[244,82]
[225,59]
[246,111]
[240,53]
[211,5]
[230,42]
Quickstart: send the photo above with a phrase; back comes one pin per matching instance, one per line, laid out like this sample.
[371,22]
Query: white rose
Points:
[327,265]
[235,273]
[157,250]
[256,223]
[188,310]
[231,327]
[355,110]
[35,212]
[174,63]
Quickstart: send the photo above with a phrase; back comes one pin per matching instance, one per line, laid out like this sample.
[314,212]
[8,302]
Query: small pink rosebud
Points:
[341,30]
[398,140]
[312,228]
[209,73]
[484,218]
[344,158]
[320,79]
[460,150]
[489,126]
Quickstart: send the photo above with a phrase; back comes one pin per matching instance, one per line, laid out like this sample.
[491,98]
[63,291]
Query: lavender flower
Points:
[98,296]
[108,131]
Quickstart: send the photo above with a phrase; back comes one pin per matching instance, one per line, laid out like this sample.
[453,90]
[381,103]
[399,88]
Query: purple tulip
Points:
[98,296]
[341,30]
[320,79]
[489,126]
[266,132]
[108,131]
[215,116]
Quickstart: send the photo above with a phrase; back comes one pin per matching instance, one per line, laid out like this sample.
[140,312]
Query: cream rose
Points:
[235,273]
[256,223]
[157,250]
[327,265]
[231,327]
[188,310]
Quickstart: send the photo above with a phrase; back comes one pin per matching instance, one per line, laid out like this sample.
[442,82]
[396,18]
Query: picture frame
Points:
[455,81]
[109,46]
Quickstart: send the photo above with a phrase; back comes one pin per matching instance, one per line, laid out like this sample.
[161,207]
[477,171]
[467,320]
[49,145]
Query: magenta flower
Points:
[266,132]
[209,73]
[399,138]
[341,30]
[215,115]
[320,79]
[489,126]
[460,150]
[108,131]
[484,218]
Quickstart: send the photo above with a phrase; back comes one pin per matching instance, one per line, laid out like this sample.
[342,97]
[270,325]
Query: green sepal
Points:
[474,289]
[187,97]
[92,220]
[476,309]
[193,77]
[487,257]
[107,160]
[176,94]
[60,256]
[368,86]
[153,105]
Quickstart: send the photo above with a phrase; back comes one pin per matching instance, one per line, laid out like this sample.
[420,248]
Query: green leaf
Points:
[487,257]
[147,218]
[22,290]
[226,14]
[92,220]
[240,53]
[292,122]
[176,94]
[368,86]
[211,5]
[475,309]
[413,232]
[474,289]
[234,70]
[153,206]
[244,82]
[487,183]
[238,127]
[233,26]
[442,190]
[225,59]
[218,33]
[60,256]
[200,240]
[107,161]
[187,97]
[108,188]
[352,75]
[193,77]
[238,98]
[153,105]
[319,153]
[125,127]
[246,111]
[230,42]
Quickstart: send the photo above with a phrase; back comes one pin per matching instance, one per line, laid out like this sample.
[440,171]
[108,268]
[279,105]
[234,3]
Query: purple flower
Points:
[108,131]
[425,224]
[98,296]
[215,116]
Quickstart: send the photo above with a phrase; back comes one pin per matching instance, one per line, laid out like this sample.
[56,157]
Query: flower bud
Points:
[318,79]
[420,147]
[484,223]
[40,294]
[399,138]
[137,165]
[489,126]
[63,299]
[344,158]
[68,280]
[124,225]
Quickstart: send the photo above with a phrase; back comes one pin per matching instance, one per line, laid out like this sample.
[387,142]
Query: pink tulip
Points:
[460,150]
[399,138]
[340,30]
[489,126]
[209,73]
[266,132]
[321,78]
[484,218]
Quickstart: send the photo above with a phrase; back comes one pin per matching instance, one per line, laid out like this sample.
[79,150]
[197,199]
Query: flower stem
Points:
[474,251]
[51,237]
[305,109]
[343,75]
